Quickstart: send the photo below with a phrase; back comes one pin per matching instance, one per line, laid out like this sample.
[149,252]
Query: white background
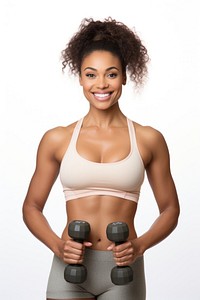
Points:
[37,96]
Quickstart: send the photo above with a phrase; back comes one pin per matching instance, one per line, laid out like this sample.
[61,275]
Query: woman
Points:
[102,159]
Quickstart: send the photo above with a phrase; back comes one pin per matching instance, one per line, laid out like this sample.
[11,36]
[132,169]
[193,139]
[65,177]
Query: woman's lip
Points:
[102,96]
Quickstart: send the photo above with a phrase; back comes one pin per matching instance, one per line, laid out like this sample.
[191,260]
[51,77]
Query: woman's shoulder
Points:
[151,142]
[57,135]
[148,134]
[146,130]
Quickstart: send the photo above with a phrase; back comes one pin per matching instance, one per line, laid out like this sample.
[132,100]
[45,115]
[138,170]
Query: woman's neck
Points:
[104,118]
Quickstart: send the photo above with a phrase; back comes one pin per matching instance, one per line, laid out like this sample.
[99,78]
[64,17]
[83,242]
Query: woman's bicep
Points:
[46,172]
[159,174]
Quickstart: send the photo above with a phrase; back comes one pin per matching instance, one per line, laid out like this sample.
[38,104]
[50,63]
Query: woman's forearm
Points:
[161,228]
[40,228]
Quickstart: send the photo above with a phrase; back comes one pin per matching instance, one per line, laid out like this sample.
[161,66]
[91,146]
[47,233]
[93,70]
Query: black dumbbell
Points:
[118,233]
[79,231]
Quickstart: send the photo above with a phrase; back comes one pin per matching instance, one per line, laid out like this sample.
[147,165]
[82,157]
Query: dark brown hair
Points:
[108,35]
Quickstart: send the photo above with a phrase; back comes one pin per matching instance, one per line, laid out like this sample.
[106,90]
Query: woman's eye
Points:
[90,75]
[112,75]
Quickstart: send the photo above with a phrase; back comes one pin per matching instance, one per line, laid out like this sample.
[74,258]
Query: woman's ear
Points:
[80,80]
[124,80]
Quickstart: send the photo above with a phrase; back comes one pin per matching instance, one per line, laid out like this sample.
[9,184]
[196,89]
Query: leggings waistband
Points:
[101,255]
[98,255]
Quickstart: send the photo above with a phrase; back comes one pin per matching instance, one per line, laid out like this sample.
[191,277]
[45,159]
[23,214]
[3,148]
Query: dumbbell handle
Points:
[119,243]
[78,241]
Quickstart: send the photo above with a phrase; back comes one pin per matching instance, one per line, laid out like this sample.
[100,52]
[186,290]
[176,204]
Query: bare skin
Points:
[102,135]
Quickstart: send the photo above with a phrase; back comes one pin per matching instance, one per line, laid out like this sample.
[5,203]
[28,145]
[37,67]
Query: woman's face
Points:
[102,78]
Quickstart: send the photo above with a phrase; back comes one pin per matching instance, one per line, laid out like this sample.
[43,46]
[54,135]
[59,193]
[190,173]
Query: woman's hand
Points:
[72,252]
[126,253]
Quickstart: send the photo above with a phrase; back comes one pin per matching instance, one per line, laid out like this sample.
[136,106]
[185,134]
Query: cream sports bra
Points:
[82,178]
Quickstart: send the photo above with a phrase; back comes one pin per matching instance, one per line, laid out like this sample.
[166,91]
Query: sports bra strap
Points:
[76,133]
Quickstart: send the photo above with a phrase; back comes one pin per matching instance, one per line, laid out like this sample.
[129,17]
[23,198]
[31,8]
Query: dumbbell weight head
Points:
[79,230]
[121,275]
[75,273]
[117,232]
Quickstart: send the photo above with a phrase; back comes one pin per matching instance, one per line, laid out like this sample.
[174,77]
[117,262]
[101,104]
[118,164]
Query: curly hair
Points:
[108,35]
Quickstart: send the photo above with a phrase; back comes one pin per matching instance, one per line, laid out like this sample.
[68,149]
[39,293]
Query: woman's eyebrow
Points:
[108,69]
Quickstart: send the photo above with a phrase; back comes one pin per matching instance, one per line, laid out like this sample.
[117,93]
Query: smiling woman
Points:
[102,159]
[102,77]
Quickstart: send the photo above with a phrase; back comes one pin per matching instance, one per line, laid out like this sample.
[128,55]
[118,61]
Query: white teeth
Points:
[101,95]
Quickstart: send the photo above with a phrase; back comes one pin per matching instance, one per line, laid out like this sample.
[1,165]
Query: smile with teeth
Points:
[101,96]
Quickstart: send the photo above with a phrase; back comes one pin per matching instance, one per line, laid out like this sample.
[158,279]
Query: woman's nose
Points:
[102,83]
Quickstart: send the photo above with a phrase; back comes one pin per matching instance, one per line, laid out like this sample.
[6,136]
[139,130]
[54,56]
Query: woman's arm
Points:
[46,172]
[163,187]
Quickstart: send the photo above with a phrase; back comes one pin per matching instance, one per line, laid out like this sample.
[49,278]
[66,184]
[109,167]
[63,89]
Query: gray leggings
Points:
[98,284]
